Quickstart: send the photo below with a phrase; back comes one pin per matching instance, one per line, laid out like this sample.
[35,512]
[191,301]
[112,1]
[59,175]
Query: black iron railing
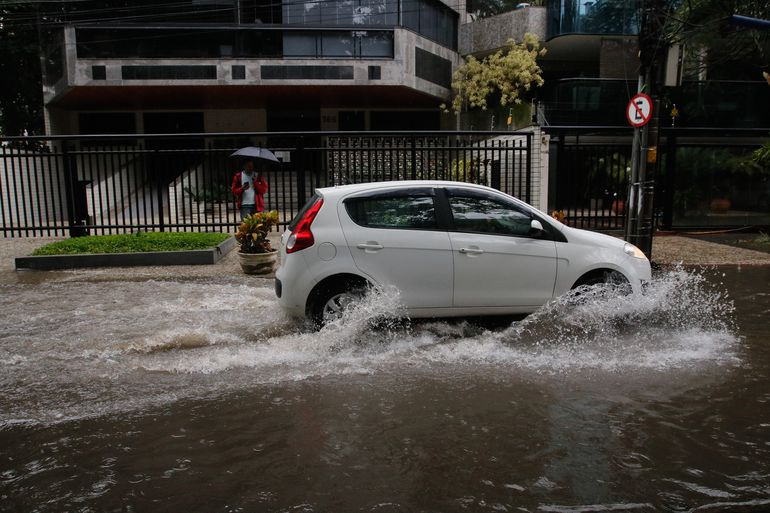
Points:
[102,184]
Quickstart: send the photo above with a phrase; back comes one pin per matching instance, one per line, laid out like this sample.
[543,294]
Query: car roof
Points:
[344,190]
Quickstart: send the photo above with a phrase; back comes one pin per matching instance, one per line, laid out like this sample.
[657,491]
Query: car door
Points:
[394,237]
[497,263]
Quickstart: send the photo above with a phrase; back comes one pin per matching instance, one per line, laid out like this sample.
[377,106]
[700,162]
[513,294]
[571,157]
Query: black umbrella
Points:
[255,152]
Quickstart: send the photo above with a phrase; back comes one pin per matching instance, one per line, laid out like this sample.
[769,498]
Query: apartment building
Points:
[250,65]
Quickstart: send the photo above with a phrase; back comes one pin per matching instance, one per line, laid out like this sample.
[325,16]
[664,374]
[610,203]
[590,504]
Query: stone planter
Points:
[260,264]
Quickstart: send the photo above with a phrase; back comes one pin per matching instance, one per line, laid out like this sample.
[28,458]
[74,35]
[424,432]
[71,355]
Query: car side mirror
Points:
[536,228]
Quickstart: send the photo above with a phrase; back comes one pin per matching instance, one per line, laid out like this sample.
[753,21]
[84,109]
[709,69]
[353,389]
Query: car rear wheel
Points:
[333,301]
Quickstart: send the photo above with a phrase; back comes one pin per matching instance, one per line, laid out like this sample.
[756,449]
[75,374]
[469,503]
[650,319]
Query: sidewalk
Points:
[667,250]
[673,249]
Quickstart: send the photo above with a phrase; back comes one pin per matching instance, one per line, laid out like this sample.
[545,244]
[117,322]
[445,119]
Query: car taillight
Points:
[301,237]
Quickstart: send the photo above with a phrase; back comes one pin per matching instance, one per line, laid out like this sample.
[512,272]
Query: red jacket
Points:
[260,188]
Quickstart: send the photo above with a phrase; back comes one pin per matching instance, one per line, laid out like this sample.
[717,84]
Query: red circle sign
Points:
[639,110]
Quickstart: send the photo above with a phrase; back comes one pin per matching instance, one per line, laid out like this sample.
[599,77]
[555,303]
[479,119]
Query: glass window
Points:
[484,215]
[376,44]
[429,14]
[406,212]
[297,44]
[410,14]
[338,12]
[337,44]
[302,13]
[376,12]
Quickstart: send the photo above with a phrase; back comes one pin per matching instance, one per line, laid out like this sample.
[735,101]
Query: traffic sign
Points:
[639,110]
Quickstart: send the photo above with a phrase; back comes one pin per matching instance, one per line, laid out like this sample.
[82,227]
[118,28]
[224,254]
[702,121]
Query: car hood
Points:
[592,238]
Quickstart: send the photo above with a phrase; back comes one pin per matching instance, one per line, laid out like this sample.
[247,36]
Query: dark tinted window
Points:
[410,212]
[484,215]
[432,68]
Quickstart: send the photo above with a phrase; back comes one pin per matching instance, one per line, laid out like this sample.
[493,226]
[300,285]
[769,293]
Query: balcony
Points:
[172,42]
[605,17]
[203,66]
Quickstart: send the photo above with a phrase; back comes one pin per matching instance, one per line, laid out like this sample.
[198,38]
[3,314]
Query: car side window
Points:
[405,212]
[485,215]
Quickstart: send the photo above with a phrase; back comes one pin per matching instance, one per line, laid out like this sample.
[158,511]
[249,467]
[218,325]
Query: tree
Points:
[716,44]
[21,96]
[509,72]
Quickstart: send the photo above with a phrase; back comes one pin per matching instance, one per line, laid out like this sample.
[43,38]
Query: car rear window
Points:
[303,211]
[416,212]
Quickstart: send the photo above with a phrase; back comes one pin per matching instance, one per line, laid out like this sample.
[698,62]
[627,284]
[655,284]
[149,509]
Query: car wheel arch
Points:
[334,281]
[599,273]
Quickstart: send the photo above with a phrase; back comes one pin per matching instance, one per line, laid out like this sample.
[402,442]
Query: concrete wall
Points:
[398,71]
[490,34]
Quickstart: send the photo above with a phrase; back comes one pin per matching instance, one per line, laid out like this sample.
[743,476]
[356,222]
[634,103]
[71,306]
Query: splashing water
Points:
[74,349]
[680,320]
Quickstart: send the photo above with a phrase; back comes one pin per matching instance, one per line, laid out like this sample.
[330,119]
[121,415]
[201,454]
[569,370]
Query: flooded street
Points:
[199,395]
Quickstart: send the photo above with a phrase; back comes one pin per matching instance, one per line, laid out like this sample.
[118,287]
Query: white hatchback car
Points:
[451,249]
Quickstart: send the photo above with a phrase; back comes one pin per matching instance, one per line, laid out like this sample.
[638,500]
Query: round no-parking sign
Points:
[639,110]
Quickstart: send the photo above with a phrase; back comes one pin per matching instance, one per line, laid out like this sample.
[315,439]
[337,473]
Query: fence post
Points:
[414,157]
[300,169]
[159,187]
[74,208]
[529,167]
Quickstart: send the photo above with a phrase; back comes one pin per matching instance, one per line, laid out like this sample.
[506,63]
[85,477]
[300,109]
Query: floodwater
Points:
[189,395]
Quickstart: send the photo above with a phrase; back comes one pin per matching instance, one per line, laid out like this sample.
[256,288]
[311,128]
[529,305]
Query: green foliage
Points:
[140,242]
[713,42]
[466,170]
[761,157]
[509,73]
[252,232]
[707,173]
[21,93]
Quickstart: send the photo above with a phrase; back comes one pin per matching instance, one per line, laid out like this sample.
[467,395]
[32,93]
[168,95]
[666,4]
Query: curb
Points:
[193,257]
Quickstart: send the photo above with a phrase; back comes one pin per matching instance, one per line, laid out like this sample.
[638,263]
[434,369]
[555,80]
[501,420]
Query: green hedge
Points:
[140,242]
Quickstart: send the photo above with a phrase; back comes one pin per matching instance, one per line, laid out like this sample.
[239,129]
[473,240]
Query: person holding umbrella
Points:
[247,188]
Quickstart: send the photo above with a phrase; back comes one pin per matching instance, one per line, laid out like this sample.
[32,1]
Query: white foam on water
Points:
[118,345]
[679,322]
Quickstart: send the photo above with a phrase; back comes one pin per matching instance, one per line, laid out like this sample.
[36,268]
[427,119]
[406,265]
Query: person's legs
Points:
[247,210]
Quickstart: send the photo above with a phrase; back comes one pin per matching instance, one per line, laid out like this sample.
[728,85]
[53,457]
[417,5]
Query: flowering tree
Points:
[509,72]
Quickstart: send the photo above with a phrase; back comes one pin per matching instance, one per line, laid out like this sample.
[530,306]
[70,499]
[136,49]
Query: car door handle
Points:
[471,251]
[370,246]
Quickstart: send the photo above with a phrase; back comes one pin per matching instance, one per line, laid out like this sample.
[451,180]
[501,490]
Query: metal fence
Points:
[100,184]
[705,178]
[591,182]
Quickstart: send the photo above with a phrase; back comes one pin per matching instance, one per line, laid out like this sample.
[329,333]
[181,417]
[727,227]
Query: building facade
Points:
[256,66]
[353,65]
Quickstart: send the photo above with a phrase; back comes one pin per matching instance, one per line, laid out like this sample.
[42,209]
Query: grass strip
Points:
[140,242]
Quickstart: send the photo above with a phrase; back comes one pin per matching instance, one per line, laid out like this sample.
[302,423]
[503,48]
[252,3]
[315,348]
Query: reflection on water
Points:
[116,394]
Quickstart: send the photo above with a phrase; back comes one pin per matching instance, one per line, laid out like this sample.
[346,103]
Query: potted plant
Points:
[256,255]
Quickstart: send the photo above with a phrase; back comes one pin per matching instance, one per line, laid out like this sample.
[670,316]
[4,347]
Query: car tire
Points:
[331,301]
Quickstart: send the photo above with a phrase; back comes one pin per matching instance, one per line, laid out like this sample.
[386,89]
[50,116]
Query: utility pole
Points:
[639,210]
